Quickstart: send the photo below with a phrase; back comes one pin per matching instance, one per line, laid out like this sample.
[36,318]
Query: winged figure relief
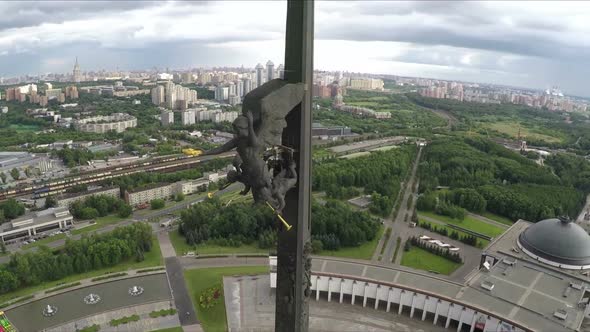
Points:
[256,131]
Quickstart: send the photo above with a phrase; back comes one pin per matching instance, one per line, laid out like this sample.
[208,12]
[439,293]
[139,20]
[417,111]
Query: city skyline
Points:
[534,45]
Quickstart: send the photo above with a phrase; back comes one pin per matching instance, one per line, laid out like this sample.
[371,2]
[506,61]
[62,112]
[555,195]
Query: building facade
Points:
[33,224]
[118,122]
[67,200]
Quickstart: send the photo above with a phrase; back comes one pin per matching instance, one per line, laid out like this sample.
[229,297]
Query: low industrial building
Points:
[31,225]
[319,130]
[67,199]
[118,122]
[24,160]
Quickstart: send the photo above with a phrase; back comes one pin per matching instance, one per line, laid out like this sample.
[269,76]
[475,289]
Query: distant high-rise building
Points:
[10,94]
[240,88]
[281,71]
[170,95]
[234,100]
[259,75]
[187,78]
[204,78]
[221,93]
[53,93]
[72,92]
[232,88]
[188,117]
[247,85]
[158,95]
[167,117]
[76,74]
[270,71]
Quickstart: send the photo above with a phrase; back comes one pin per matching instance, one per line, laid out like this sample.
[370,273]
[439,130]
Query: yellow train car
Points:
[192,152]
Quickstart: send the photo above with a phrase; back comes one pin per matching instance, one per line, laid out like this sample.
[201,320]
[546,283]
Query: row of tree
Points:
[78,256]
[466,238]
[99,206]
[432,248]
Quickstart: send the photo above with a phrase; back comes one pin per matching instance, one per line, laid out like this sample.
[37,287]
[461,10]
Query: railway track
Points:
[167,164]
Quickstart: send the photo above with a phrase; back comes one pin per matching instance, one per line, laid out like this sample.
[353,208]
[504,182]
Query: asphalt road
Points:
[137,215]
[182,298]
[399,227]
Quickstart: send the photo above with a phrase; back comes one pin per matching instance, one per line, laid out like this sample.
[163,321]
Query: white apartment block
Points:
[188,117]
[104,123]
[167,118]
[366,83]
[225,117]
[135,198]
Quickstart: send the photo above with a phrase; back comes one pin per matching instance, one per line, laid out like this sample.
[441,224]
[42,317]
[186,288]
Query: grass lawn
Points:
[100,223]
[469,223]
[21,127]
[497,218]
[181,247]
[234,197]
[481,243]
[355,155]
[385,148]
[364,251]
[421,259]
[152,258]
[44,241]
[213,319]
[512,129]
[172,329]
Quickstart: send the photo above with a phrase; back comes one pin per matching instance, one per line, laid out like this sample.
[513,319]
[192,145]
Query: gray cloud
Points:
[18,14]
[535,44]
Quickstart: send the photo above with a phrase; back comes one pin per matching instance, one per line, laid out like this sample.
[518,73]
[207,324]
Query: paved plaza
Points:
[71,307]
[250,307]
[146,323]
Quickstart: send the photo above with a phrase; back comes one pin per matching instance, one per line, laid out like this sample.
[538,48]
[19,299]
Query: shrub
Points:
[157,204]
[210,297]
[115,275]
[62,287]
[124,320]
[162,313]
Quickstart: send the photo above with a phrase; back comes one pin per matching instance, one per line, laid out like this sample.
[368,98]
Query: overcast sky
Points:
[532,44]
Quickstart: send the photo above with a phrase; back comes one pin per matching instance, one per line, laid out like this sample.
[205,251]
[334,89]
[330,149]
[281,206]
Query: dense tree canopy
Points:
[380,172]
[484,175]
[11,208]
[334,224]
[99,206]
[78,256]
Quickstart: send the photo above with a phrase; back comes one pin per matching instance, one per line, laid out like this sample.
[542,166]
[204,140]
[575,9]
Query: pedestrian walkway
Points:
[145,322]
[180,293]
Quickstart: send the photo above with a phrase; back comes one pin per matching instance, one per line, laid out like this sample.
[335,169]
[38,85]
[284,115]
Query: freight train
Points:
[160,164]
